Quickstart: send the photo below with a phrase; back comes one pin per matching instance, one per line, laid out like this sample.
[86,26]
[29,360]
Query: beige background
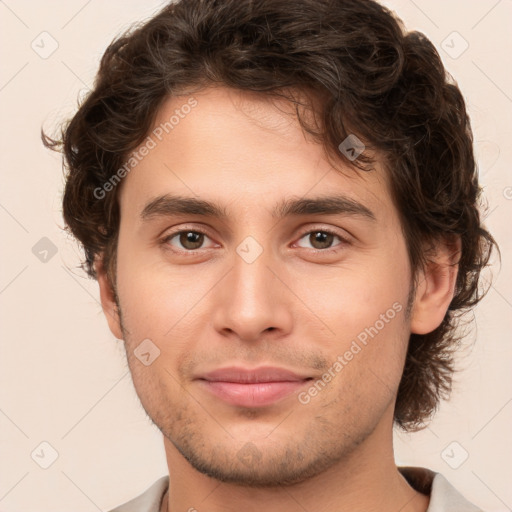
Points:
[64,379]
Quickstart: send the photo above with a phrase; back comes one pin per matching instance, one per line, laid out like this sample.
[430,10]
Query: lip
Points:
[252,387]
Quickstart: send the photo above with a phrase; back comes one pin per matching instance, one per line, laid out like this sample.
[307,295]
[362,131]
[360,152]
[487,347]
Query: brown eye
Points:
[321,239]
[187,240]
[191,240]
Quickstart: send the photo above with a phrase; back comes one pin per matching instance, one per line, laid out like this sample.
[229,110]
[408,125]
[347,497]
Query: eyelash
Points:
[343,241]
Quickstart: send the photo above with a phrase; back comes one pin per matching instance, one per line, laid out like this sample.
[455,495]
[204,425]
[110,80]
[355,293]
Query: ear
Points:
[435,286]
[108,302]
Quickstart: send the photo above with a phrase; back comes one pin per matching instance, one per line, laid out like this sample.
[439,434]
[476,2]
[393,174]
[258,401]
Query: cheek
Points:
[365,367]
[347,299]
[365,335]
[159,318]
[153,297]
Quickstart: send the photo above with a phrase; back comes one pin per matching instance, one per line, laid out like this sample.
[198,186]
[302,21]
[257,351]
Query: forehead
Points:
[244,149]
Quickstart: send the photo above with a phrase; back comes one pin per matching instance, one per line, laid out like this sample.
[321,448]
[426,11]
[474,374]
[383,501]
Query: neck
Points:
[366,480]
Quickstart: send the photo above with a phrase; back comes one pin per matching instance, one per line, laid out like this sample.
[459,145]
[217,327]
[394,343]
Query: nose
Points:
[253,300]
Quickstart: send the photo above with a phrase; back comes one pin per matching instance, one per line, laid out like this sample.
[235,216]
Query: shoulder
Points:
[443,496]
[149,501]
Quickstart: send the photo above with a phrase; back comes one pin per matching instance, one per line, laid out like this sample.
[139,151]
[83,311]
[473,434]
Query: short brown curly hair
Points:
[372,78]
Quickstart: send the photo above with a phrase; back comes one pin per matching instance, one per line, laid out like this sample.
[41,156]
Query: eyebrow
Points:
[168,205]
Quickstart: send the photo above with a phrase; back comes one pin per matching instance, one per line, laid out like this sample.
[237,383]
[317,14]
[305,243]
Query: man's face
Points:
[322,296]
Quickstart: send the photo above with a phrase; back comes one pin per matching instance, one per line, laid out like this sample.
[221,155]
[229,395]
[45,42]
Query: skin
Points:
[298,306]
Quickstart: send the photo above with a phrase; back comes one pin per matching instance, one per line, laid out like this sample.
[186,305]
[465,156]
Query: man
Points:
[279,201]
